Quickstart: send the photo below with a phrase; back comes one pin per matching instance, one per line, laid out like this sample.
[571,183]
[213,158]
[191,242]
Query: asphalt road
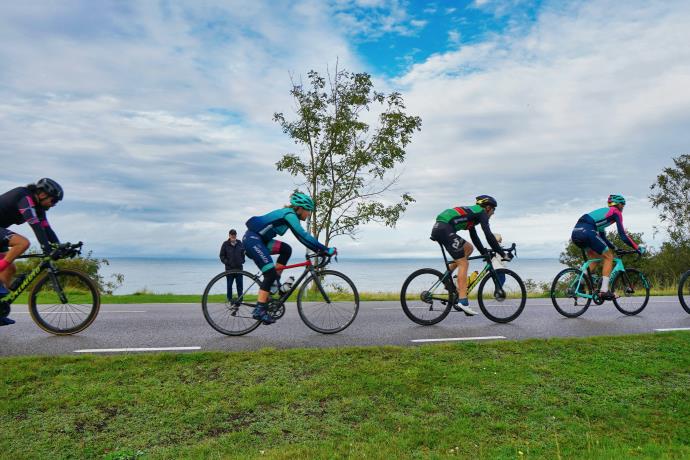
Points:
[157,327]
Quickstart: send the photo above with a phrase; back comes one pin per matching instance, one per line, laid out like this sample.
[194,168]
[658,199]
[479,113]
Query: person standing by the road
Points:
[232,255]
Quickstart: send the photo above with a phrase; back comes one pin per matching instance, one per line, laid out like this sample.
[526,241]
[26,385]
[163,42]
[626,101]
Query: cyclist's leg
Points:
[463,267]
[13,245]
[459,250]
[284,252]
[599,249]
[259,253]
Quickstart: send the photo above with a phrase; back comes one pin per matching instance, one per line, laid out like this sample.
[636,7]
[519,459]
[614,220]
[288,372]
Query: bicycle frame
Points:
[46,263]
[488,269]
[618,268]
[584,269]
[309,269]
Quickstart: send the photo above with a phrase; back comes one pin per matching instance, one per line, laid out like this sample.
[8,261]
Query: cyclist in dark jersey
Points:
[590,235]
[259,244]
[25,204]
[466,218]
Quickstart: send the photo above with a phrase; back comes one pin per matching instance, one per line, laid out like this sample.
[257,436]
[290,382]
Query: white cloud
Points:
[584,104]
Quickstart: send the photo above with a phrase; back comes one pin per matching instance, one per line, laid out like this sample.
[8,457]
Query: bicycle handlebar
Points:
[512,250]
[66,250]
[325,259]
[625,252]
[59,251]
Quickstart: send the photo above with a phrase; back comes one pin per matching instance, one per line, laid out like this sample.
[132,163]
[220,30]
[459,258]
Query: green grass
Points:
[622,397]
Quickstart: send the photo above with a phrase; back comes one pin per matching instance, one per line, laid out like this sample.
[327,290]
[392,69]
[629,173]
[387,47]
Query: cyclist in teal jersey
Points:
[590,235]
[466,218]
[259,244]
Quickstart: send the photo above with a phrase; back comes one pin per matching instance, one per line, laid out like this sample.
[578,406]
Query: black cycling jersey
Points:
[18,206]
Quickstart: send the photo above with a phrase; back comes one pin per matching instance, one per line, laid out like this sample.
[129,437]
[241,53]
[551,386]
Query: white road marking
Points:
[458,339]
[673,329]
[126,350]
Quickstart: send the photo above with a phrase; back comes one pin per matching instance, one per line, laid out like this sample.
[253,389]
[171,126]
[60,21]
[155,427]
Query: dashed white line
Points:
[670,329]
[126,350]
[459,339]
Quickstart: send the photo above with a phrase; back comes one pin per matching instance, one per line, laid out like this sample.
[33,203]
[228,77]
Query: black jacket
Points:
[232,256]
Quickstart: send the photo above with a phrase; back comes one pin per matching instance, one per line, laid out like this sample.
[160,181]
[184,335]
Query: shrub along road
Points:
[151,327]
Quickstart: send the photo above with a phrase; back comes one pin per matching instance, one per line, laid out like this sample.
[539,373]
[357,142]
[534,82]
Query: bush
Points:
[84,263]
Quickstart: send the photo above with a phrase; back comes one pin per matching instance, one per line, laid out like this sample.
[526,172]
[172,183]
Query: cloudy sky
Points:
[156,116]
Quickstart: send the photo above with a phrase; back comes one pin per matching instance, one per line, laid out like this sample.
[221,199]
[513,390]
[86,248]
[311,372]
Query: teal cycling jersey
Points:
[601,218]
[278,222]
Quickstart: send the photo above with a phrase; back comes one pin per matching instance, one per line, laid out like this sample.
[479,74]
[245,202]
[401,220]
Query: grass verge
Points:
[622,397]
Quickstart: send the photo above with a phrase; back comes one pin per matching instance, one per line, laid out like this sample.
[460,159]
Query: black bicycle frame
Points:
[30,277]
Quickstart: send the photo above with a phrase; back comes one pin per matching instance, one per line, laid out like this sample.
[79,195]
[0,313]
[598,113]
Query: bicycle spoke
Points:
[231,318]
[571,292]
[332,315]
[64,318]
[425,299]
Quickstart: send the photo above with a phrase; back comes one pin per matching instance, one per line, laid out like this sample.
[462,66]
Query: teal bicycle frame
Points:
[617,270]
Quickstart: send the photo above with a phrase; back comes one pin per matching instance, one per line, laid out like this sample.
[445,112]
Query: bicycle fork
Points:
[56,286]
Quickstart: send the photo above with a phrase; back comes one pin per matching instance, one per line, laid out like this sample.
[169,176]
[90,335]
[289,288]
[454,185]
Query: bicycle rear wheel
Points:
[328,303]
[567,290]
[231,317]
[64,302]
[502,301]
[684,291]
[633,289]
[425,298]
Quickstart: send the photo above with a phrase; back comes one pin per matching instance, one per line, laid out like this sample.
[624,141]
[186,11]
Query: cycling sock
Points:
[464,302]
[604,283]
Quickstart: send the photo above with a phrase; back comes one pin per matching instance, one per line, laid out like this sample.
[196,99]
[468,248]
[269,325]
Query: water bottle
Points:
[473,276]
[287,284]
[275,287]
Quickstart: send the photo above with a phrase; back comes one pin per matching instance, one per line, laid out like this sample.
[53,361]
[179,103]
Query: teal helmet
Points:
[302,200]
[616,199]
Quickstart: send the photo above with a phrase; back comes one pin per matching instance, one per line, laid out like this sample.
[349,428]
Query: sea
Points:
[190,276]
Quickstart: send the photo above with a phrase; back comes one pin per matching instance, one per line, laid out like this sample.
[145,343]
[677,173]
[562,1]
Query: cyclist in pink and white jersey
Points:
[590,235]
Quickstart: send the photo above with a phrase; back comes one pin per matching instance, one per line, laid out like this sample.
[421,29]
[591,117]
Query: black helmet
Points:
[483,200]
[51,187]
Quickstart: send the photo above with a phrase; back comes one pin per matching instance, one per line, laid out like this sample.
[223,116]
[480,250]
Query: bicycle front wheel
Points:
[684,291]
[502,299]
[231,316]
[64,302]
[328,302]
[633,288]
[425,298]
[567,291]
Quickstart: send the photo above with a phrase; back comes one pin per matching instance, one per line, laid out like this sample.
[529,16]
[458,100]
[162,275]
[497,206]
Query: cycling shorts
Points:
[588,238]
[261,252]
[444,234]
[5,236]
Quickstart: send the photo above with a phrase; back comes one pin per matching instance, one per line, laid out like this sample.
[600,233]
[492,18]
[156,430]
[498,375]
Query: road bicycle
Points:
[327,300]
[62,301]
[428,295]
[684,291]
[574,289]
